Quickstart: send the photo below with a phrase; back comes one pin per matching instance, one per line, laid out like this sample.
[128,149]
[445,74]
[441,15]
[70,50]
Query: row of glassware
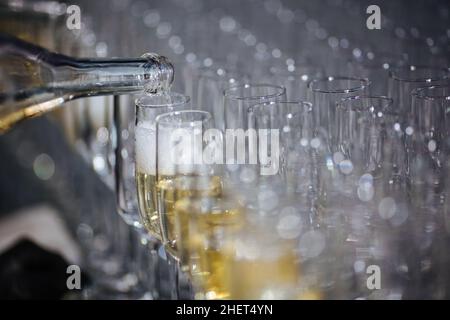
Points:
[360,159]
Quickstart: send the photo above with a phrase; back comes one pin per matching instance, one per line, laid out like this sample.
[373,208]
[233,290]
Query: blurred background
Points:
[58,173]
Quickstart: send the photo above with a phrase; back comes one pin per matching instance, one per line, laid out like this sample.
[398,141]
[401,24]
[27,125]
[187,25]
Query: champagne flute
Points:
[241,157]
[428,154]
[179,155]
[148,108]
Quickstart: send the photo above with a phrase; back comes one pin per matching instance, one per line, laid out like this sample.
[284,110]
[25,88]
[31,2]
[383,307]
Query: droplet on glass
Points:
[276,53]
[400,216]
[247,175]
[303,142]
[387,208]
[99,163]
[289,226]
[44,166]
[365,192]
[227,24]
[312,243]
[268,199]
[208,62]
[102,135]
[359,266]
[432,146]
[338,157]
[409,131]
[346,166]
[315,143]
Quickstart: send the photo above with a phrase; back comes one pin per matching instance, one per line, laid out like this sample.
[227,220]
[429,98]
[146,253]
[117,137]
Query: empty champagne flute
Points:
[402,80]
[284,134]
[428,152]
[241,163]
[324,95]
[364,125]
[211,83]
[238,99]
[375,208]
[429,143]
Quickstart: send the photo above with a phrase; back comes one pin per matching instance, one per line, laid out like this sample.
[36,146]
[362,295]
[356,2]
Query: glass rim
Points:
[228,92]
[342,103]
[364,83]
[181,100]
[208,116]
[393,73]
[416,93]
[269,103]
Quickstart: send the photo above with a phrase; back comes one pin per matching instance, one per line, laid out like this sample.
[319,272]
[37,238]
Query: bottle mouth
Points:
[159,73]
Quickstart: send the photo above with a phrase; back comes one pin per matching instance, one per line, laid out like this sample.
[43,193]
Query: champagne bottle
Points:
[34,80]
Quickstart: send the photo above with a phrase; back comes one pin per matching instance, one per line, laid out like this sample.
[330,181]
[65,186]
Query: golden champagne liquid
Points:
[165,191]
[169,189]
[213,279]
[213,230]
[203,225]
[146,191]
[263,277]
[9,120]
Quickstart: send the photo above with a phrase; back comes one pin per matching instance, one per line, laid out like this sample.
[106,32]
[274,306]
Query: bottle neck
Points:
[47,80]
[88,77]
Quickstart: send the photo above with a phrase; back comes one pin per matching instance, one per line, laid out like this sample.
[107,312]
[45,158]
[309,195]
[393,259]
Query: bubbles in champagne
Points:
[146,147]
[174,148]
